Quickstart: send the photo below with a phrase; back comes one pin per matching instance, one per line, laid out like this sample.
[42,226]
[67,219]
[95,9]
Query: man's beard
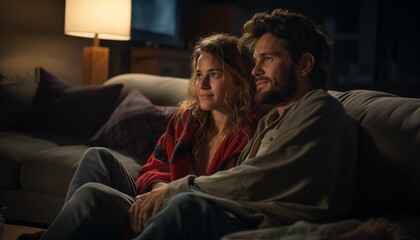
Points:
[279,91]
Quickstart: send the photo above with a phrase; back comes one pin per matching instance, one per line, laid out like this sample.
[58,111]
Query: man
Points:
[300,163]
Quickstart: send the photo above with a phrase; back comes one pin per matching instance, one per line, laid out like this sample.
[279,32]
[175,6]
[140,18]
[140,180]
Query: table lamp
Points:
[97,19]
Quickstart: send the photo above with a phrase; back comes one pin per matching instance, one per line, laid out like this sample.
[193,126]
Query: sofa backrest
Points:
[389,148]
[160,90]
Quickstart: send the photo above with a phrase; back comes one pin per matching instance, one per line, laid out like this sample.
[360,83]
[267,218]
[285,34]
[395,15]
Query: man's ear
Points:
[305,64]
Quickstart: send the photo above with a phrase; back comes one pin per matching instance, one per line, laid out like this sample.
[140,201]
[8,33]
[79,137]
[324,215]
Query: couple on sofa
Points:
[293,166]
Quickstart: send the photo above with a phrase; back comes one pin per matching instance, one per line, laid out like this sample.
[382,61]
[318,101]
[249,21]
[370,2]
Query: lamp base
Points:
[95,65]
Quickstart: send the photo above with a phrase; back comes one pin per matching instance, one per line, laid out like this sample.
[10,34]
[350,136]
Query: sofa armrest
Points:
[389,147]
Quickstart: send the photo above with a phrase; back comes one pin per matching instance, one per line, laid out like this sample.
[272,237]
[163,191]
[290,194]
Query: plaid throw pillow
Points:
[135,126]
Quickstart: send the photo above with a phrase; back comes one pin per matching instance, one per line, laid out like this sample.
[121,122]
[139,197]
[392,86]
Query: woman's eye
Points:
[198,75]
[215,75]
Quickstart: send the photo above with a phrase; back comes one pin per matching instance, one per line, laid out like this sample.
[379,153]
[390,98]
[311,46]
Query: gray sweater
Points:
[299,167]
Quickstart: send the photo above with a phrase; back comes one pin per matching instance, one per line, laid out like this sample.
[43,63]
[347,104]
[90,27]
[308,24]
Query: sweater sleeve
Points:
[157,167]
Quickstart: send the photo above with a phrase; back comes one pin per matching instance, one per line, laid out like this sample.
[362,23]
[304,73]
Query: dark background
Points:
[376,42]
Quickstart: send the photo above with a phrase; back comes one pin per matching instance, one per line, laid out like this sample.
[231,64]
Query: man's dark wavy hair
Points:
[302,35]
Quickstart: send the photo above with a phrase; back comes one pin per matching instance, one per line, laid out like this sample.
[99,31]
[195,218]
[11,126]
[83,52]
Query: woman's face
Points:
[213,86]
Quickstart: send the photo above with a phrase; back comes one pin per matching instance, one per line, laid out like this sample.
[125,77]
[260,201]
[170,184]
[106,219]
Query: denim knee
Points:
[191,216]
[90,193]
[95,211]
[187,198]
[98,197]
[193,203]
[96,151]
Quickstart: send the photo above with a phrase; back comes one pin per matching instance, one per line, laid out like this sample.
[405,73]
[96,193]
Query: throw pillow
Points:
[62,108]
[16,94]
[135,126]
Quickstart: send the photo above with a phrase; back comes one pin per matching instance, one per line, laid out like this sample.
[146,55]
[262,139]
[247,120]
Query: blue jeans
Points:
[98,199]
[191,216]
[101,192]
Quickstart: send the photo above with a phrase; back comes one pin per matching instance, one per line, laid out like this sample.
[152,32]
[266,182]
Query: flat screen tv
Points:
[155,23]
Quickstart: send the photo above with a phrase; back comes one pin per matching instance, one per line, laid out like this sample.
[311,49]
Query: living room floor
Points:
[12,232]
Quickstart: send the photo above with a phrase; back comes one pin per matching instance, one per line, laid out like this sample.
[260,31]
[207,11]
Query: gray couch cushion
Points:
[14,148]
[50,170]
[389,147]
[160,90]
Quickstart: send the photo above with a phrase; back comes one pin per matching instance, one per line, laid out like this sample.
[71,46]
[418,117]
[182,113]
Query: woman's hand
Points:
[146,206]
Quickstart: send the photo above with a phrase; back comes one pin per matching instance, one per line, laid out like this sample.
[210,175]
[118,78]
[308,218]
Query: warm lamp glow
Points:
[97,19]
[110,19]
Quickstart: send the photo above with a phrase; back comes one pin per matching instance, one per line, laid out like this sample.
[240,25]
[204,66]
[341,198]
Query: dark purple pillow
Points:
[135,126]
[62,108]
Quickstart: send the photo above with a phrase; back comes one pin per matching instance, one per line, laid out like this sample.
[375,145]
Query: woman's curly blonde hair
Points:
[223,48]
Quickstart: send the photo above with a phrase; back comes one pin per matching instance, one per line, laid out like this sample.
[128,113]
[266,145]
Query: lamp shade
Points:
[110,19]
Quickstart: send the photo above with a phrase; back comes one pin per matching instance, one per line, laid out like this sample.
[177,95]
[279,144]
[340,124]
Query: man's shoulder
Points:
[319,95]
[321,99]
[319,103]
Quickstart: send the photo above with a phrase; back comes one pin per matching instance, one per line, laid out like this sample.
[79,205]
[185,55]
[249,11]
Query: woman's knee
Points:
[101,200]
[94,194]
[95,156]
[95,151]
[90,192]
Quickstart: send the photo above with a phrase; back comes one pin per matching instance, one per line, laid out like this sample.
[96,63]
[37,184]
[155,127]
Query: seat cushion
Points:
[14,148]
[50,171]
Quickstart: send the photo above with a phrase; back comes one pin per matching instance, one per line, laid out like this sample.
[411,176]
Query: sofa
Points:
[37,164]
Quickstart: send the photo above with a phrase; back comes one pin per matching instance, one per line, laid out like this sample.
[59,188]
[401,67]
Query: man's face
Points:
[274,71]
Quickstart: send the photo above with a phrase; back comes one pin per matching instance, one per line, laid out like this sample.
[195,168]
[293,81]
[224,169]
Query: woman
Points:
[206,135]
[214,124]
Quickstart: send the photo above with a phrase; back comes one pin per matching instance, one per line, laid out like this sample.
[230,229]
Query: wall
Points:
[375,42]
[32,35]
[384,39]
